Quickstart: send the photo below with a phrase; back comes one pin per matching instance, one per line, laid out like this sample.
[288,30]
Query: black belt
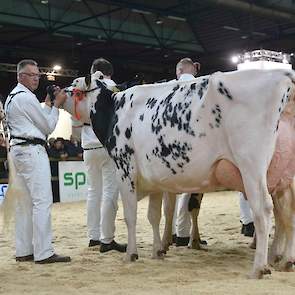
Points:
[86,124]
[89,149]
[33,141]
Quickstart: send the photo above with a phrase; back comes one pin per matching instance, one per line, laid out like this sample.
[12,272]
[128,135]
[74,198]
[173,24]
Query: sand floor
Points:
[221,270]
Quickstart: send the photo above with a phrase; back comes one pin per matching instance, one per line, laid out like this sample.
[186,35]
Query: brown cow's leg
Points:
[195,239]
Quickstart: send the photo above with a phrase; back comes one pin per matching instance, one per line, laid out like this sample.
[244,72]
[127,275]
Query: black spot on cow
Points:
[173,155]
[131,104]
[141,117]
[203,87]
[202,134]
[151,103]
[120,102]
[224,91]
[128,132]
[117,130]
[174,114]
[123,158]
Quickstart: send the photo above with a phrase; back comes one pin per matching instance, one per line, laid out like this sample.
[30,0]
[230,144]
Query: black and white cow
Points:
[172,136]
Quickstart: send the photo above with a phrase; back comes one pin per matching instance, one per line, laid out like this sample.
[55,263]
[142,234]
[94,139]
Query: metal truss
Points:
[4,67]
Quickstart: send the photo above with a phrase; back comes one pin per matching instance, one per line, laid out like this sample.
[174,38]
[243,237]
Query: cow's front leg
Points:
[154,217]
[129,200]
[168,208]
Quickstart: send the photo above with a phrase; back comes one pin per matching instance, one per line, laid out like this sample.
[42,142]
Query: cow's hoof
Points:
[194,245]
[165,248]
[266,271]
[288,267]
[159,254]
[258,274]
[133,257]
[197,246]
[278,258]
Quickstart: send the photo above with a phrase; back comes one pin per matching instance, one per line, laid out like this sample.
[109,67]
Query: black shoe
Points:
[203,242]
[112,246]
[53,259]
[249,229]
[173,239]
[24,258]
[93,243]
[243,229]
[182,241]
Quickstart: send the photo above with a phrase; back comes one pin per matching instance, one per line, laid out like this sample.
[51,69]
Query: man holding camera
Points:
[29,124]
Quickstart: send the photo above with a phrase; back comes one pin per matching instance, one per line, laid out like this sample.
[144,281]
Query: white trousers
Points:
[33,212]
[245,210]
[102,197]
[181,218]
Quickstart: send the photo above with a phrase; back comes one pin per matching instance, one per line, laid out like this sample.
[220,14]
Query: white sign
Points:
[3,189]
[73,183]
[263,65]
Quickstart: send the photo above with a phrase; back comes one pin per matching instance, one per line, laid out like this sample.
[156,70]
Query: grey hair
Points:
[20,66]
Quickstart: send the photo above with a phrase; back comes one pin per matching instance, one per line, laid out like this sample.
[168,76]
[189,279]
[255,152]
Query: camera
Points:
[50,90]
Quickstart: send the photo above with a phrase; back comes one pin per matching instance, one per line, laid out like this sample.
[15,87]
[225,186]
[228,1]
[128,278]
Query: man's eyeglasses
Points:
[32,75]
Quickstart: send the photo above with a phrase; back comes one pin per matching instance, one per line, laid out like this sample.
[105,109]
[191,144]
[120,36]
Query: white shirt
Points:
[26,117]
[88,137]
[183,77]
[186,77]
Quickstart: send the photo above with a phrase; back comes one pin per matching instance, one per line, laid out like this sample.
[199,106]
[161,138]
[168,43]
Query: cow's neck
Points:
[103,115]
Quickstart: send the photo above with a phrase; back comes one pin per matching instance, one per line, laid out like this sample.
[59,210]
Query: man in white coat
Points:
[102,197]
[186,70]
[29,124]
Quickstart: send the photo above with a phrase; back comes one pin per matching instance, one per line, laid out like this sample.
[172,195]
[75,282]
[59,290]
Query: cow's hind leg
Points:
[285,210]
[279,240]
[154,217]
[194,210]
[261,204]
[168,206]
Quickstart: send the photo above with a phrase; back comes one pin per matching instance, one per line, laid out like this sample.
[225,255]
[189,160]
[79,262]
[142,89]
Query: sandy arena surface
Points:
[221,270]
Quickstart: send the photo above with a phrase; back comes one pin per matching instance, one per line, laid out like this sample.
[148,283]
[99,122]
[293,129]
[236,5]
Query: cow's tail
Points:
[15,188]
[291,75]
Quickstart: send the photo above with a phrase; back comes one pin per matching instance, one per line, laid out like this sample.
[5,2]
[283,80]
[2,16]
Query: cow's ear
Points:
[88,81]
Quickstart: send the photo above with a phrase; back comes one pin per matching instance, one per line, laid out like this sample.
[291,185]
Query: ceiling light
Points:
[177,18]
[79,43]
[231,28]
[56,67]
[159,21]
[235,59]
[44,2]
[141,11]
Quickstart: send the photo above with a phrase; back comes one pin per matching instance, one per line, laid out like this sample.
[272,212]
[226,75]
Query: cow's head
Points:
[82,95]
